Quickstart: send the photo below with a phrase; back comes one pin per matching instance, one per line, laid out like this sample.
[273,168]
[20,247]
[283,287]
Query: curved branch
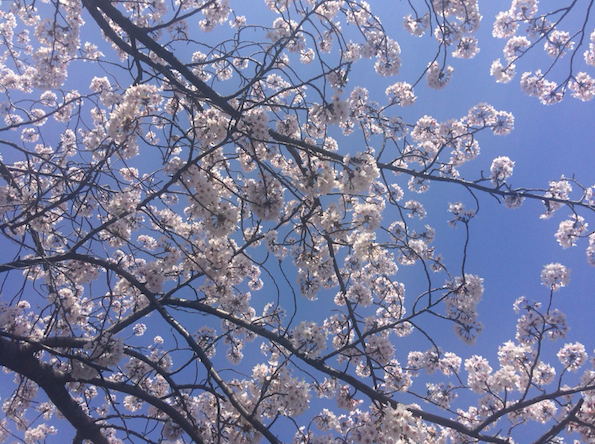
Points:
[141,35]
[20,358]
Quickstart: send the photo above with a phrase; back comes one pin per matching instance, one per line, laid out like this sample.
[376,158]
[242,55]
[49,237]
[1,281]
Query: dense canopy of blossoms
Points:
[183,171]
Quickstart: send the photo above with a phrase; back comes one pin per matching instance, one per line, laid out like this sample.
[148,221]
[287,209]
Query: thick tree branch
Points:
[340,375]
[141,35]
[20,358]
[556,429]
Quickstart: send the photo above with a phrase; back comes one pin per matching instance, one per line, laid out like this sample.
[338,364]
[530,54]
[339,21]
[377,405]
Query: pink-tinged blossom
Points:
[359,294]
[278,5]
[555,276]
[438,77]
[523,9]
[501,73]
[513,201]
[504,123]
[460,213]
[368,216]
[551,94]
[418,185]
[591,251]
[124,121]
[39,433]
[533,85]
[216,11]
[461,305]
[326,421]
[441,394]
[29,135]
[449,364]
[560,190]
[416,209]
[199,61]
[505,25]
[230,200]
[466,48]
[558,43]
[582,87]
[432,359]
[255,122]
[399,424]
[265,197]
[482,114]
[544,374]
[533,323]
[416,249]
[333,113]
[396,378]
[516,47]
[71,101]
[542,411]
[359,173]
[512,354]
[573,356]
[557,327]
[501,170]
[426,129]
[417,26]
[416,361]
[285,30]
[132,404]
[479,372]
[82,272]
[401,93]
[309,285]
[570,230]
[107,95]
[307,56]
[590,53]
[209,127]
[345,399]
[154,276]
[139,329]
[380,349]
[16,319]
[309,339]
[352,52]
[505,378]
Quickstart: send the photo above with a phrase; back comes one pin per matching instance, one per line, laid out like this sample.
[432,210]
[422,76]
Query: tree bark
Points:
[20,358]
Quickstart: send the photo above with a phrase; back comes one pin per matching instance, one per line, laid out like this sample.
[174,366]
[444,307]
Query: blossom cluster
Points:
[454,26]
[541,29]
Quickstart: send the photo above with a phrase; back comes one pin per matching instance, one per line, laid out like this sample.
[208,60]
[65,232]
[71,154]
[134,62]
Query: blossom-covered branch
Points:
[215,229]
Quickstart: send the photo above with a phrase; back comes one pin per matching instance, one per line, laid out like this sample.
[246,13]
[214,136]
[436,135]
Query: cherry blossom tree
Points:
[205,215]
